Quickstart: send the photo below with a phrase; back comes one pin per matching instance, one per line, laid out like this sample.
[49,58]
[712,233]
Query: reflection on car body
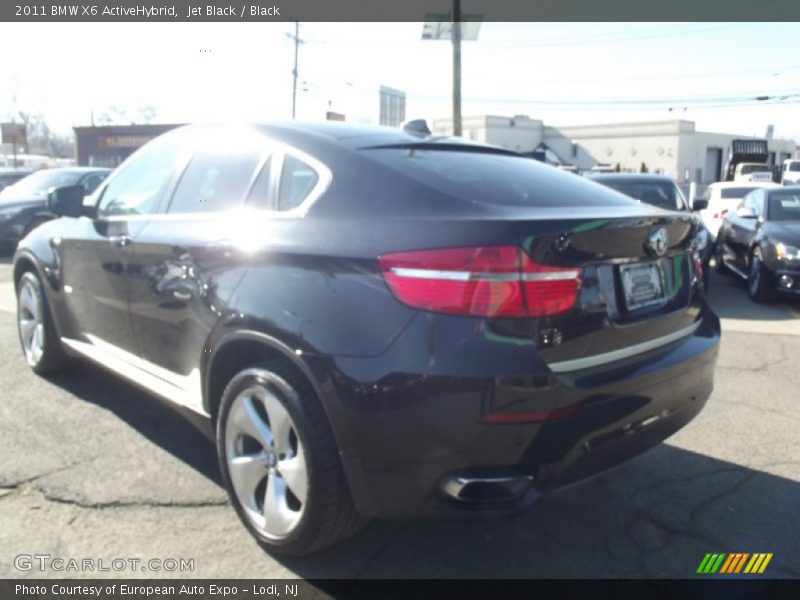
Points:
[376,324]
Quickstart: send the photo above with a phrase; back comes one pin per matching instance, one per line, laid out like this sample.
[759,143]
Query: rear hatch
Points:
[587,274]
[636,288]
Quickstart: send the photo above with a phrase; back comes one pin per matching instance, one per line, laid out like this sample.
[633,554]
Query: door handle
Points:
[120,240]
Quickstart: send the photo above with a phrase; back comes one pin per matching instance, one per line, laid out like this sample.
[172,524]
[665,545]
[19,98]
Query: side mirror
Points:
[745,213]
[66,201]
[700,204]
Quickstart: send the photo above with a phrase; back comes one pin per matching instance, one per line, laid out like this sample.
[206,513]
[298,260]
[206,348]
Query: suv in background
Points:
[790,172]
[661,191]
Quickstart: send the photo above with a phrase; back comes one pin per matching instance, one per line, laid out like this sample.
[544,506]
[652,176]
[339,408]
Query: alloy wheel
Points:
[30,322]
[266,462]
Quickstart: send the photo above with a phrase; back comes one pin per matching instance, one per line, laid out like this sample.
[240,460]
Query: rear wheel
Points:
[40,343]
[280,462]
[757,284]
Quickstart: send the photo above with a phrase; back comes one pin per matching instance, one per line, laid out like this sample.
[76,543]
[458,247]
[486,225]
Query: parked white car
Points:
[724,197]
[753,172]
[790,172]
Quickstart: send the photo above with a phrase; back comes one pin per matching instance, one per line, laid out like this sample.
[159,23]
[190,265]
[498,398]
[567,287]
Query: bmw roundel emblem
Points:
[657,241]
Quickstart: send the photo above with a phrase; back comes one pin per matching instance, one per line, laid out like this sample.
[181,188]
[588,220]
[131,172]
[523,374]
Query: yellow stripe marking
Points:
[753,563]
[765,563]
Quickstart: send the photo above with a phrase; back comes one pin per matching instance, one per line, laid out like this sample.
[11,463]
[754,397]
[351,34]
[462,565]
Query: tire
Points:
[719,265]
[41,345]
[757,277]
[292,507]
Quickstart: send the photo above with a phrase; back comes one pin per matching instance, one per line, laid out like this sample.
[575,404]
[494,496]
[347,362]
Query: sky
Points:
[562,73]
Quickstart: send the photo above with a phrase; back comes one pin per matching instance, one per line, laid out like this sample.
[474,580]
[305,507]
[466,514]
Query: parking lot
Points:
[94,468]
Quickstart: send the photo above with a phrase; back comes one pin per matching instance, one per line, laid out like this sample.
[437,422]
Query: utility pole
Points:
[436,28]
[456,37]
[297,42]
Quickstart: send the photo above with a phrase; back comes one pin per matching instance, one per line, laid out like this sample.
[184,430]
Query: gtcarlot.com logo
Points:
[734,563]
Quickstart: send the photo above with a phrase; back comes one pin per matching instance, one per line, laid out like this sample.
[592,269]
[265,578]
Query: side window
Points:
[260,195]
[753,201]
[215,180]
[92,181]
[136,189]
[297,181]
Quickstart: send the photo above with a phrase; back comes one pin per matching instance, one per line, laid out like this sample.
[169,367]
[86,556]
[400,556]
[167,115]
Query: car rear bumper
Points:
[414,443]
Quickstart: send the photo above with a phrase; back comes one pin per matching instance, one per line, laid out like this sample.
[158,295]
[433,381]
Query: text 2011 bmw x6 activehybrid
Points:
[372,323]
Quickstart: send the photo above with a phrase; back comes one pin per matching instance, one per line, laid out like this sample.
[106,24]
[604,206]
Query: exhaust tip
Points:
[486,490]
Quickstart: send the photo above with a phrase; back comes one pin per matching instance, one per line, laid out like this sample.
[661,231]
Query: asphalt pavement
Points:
[94,468]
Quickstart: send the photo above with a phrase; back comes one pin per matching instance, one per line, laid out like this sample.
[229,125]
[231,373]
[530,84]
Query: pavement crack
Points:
[115,504]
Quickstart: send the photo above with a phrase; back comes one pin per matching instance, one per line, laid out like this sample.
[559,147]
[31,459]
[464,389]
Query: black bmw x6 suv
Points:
[375,324]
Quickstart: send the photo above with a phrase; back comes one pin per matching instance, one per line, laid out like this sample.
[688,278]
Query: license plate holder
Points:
[643,285]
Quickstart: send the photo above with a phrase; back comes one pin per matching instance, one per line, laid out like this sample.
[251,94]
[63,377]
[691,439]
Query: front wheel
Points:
[757,277]
[719,264]
[40,342]
[280,462]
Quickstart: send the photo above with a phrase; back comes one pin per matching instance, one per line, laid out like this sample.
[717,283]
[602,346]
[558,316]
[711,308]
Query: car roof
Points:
[743,184]
[77,169]
[631,177]
[781,188]
[334,133]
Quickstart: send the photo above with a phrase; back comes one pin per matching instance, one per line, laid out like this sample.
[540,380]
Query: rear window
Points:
[661,194]
[486,178]
[755,169]
[735,193]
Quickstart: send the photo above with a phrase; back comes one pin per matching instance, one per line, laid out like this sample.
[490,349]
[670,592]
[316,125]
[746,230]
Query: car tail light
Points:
[486,281]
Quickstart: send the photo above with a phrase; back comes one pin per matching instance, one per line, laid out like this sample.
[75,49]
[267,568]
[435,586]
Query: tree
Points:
[122,114]
[618,168]
[43,140]
[643,168]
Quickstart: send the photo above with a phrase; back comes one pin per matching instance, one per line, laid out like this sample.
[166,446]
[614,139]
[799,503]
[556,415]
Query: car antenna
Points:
[417,127]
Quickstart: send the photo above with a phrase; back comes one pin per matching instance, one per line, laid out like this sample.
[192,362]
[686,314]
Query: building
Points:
[109,145]
[670,147]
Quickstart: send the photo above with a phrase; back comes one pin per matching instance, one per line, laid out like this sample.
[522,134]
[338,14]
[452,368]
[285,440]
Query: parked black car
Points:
[662,191]
[760,242]
[23,205]
[376,324]
[11,176]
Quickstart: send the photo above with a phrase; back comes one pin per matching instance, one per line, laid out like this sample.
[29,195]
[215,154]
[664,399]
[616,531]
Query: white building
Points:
[672,147]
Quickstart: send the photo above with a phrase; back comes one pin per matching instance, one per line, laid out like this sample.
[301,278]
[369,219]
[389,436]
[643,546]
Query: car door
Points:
[188,261]
[742,231]
[96,255]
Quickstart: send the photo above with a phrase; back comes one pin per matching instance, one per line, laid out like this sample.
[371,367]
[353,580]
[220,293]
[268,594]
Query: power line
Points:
[609,38]
[777,95]
[577,79]
[297,42]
